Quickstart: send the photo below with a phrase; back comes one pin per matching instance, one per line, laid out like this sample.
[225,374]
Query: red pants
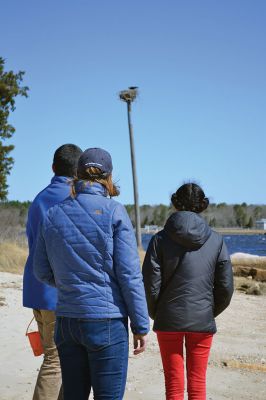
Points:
[197,352]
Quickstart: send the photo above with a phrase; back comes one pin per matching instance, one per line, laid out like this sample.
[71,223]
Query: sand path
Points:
[240,344]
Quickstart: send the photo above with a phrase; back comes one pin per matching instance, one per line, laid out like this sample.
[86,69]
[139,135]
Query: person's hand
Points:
[140,342]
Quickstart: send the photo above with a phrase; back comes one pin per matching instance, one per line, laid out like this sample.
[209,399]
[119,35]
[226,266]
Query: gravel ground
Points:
[237,366]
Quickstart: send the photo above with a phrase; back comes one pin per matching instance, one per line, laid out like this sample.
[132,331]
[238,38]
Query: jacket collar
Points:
[61,179]
[90,188]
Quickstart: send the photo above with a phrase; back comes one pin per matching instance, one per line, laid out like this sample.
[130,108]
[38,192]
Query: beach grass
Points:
[12,257]
[141,255]
[251,262]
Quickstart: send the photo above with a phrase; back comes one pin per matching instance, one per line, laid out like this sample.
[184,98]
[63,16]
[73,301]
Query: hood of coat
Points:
[187,229]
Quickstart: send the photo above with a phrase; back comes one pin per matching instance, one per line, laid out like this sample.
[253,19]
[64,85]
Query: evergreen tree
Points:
[240,215]
[213,222]
[10,87]
[257,212]
[250,223]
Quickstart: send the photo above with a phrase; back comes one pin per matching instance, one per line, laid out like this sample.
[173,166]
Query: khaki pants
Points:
[48,385]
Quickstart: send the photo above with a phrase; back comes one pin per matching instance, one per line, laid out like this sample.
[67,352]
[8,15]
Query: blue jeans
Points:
[93,354]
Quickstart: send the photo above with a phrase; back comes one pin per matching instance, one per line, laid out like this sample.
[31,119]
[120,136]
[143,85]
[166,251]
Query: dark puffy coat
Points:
[187,275]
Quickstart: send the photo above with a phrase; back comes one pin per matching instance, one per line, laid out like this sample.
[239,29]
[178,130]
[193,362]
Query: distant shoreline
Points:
[239,231]
[223,231]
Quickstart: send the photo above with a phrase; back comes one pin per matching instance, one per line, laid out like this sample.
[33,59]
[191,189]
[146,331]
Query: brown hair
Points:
[190,197]
[93,174]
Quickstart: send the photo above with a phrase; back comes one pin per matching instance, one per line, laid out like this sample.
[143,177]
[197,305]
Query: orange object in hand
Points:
[35,341]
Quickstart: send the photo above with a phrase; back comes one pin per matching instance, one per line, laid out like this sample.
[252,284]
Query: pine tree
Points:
[10,87]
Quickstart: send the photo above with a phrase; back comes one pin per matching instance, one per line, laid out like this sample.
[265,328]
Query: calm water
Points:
[252,244]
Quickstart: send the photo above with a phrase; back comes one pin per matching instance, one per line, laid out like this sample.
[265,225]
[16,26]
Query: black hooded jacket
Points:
[187,275]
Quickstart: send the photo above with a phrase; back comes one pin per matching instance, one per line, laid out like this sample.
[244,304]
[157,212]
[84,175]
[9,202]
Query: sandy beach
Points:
[237,366]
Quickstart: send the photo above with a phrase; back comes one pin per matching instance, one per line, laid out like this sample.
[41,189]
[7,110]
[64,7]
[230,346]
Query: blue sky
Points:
[200,67]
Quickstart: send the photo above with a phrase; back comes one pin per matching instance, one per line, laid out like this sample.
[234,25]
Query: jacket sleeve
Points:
[152,276]
[32,226]
[41,265]
[223,282]
[127,270]
[29,233]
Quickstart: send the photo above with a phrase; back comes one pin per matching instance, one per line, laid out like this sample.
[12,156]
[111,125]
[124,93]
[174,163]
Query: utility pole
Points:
[129,96]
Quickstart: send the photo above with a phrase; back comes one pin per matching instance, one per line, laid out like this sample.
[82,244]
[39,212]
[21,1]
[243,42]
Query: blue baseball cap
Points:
[96,157]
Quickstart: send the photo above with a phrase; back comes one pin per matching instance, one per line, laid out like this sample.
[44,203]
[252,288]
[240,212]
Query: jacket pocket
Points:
[94,334]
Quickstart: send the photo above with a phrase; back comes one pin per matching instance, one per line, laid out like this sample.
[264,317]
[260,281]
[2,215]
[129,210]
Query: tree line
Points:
[220,215]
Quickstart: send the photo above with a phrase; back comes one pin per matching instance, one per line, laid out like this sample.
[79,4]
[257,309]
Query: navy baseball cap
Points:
[96,157]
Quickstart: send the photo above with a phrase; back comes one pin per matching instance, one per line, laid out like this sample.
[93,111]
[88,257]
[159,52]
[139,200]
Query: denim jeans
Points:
[93,354]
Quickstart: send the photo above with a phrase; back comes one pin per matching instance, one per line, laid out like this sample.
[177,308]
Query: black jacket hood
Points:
[187,229]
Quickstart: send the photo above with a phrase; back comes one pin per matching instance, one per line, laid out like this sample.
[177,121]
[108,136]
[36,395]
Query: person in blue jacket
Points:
[86,248]
[39,296]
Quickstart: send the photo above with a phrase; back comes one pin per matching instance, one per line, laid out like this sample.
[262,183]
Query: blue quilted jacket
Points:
[35,293]
[86,247]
